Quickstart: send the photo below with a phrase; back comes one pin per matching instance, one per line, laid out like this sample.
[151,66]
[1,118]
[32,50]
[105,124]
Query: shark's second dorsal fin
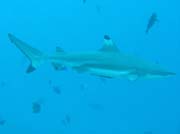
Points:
[109,45]
[59,50]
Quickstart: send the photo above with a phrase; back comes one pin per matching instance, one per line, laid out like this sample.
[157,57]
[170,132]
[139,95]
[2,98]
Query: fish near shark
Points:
[152,20]
[108,61]
[84,1]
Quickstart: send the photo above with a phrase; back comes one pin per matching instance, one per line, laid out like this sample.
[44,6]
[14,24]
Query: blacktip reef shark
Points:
[108,61]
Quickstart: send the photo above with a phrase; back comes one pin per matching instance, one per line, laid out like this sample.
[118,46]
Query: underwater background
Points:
[65,102]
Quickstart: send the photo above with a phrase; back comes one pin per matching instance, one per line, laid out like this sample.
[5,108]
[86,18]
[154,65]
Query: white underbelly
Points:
[108,73]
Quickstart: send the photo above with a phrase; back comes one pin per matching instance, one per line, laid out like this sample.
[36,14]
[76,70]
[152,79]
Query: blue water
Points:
[72,103]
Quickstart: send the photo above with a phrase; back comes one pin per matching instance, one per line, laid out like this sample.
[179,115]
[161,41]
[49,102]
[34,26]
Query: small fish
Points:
[2,122]
[2,84]
[98,8]
[84,1]
[66,120]
[83,86]
[36,107]
[152,20]
[50,82]
[56,89]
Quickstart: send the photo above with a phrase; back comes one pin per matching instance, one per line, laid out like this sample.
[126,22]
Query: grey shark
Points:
[108,62]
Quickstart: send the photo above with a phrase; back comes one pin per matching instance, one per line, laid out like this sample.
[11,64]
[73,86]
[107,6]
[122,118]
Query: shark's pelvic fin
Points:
[35,56]
[109,45]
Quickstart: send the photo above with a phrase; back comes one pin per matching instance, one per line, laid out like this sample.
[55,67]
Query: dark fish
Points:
[50,82]
[56,89]
[84,1]
[98,8]
[36,107]
[2,84]
[157,62]
[152,20]
[83,86]
[96,106]
[2,122]
[66,120]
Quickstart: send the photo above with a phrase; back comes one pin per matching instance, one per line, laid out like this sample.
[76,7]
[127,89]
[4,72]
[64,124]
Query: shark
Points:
[107,62]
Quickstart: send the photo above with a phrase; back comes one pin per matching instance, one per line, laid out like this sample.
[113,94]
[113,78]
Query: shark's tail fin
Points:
[35,56]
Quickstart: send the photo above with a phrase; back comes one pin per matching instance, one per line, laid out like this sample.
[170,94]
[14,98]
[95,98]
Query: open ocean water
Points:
[47,101]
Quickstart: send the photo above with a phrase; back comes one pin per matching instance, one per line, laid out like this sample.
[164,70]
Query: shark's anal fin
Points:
[30,69]
[109,45]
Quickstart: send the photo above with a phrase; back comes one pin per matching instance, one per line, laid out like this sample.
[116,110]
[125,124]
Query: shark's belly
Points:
[108,73]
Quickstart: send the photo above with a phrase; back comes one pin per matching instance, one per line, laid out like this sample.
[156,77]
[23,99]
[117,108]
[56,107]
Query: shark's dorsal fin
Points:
[109,45]
[59,50]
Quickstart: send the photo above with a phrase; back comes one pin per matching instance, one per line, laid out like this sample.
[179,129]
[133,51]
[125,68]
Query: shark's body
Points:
[106,62]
